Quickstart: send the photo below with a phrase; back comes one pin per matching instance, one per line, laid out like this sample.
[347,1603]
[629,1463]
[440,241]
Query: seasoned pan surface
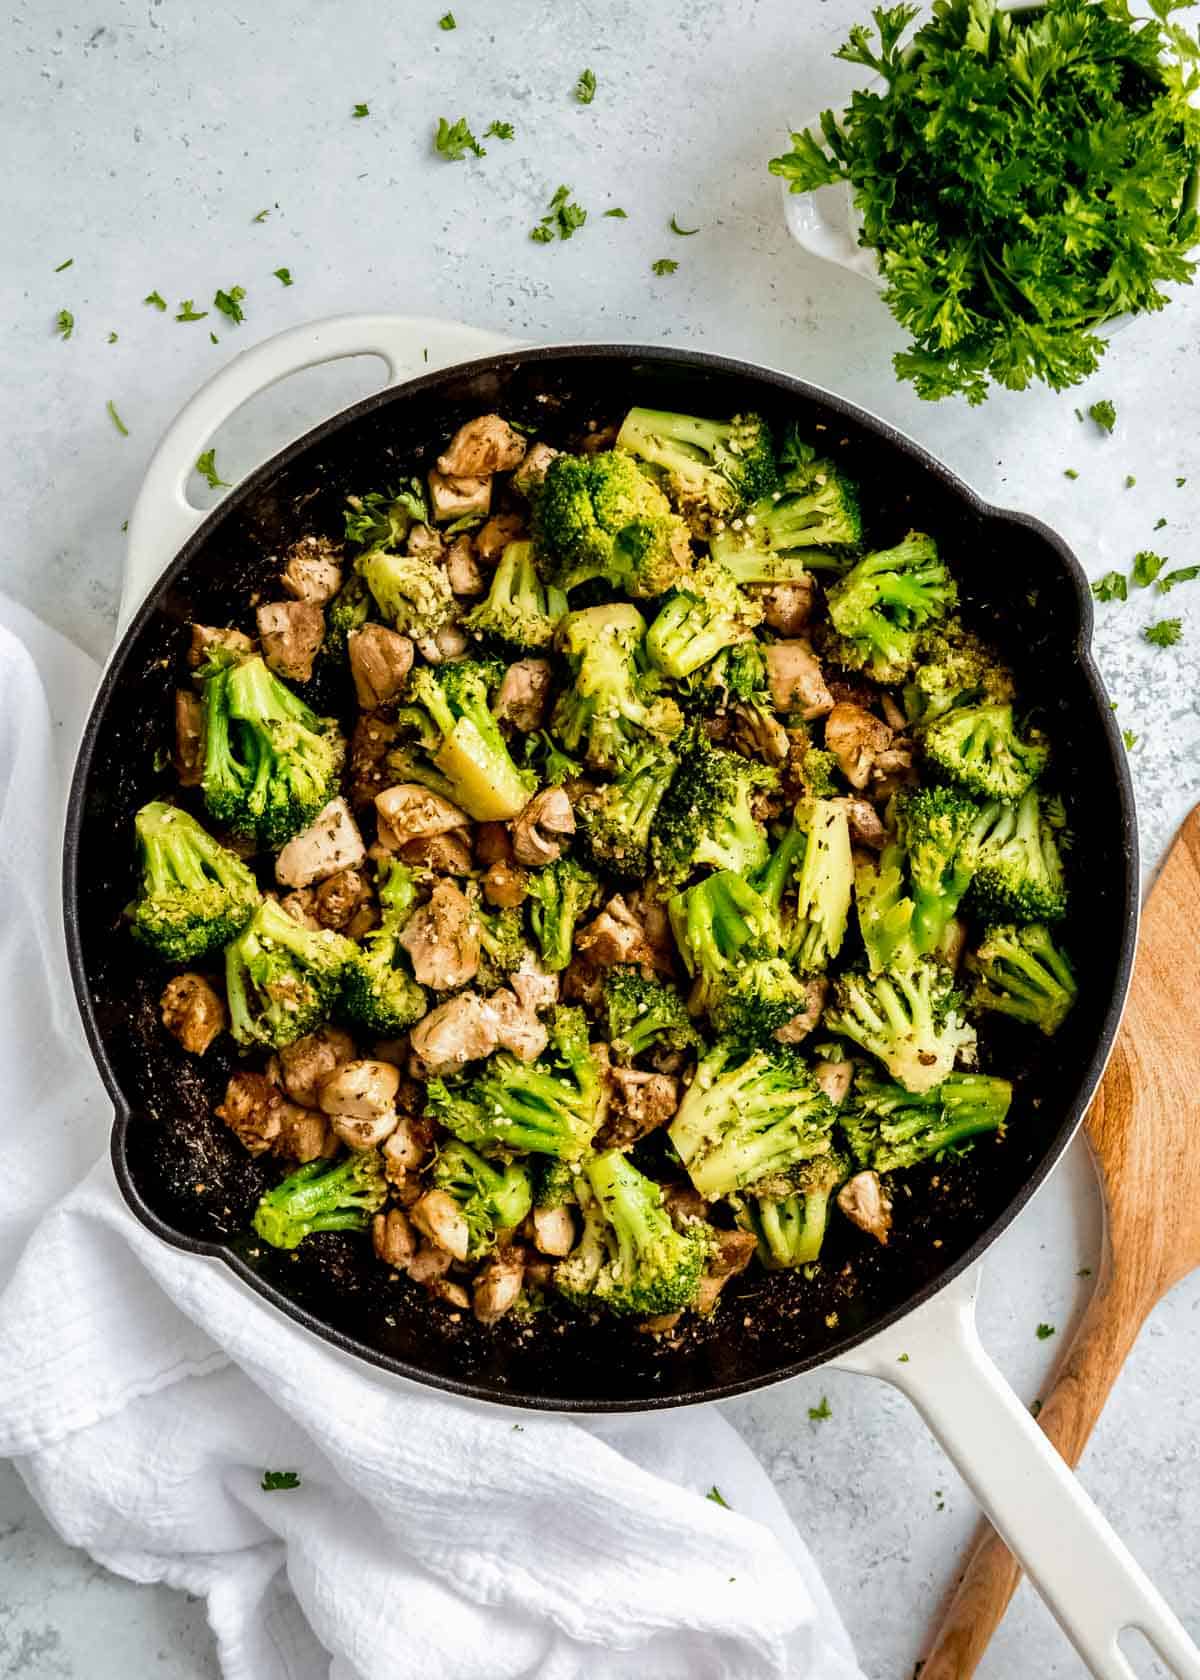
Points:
[186,1177]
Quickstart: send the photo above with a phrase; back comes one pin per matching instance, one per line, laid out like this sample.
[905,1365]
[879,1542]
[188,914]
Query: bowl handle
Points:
[163,518]
[1087,1578]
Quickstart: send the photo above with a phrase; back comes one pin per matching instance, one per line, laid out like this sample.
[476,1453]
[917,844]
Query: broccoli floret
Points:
[1021,972]
[559,894]
[270,763]
[641,1013]
[749,1117]
[885,911]
[823,887]
[738,675]
[380,993]
[349,610]
[979,748]
[493,1195]
[940,829]
[630,1259]
[502,945]
[615,820]
[954,668]
[707,816]
[759,997]
[704,614]
[281,979]
[519,608]
[1018,869]
[600,516]
[724,930]
[791,1229]
[195,896]
[611,706]
[382,518]
[468,749]
[548,1107]
[792,530]
[883,601]
[889,1127]
[554,1182]
[412,591]
[322,1196]
[711,468]
[908,1019]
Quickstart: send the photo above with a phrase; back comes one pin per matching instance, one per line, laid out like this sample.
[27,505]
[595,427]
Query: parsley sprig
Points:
[453,141]
[562,218]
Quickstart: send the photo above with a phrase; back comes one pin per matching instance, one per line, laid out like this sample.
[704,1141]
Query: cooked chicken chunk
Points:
[505,885]
[733,1253]
[856,738]
[206,637]
[193,1012]
[442,939]
[539,832]
[425,543]
[553,1230]
[685,1205]
[405,1150]
[454,498]
[498,1284]
[360,1099]
[291,633]
[380,660]
[866,825]
[796,680]
[461,1030]
[867,1204]
[373,734]
[445,854]
[188,757]
[759,734]
[495,534]
[834,1079]
[615,936]
[535,988]
[412,812]
[787,607]
[301,906]
[312,570]
[430,1264]
[438,1216]
[339,898]
[462,568]
[639,1103]
[393,1238]
[251,1111]
[304,1135]
[484,445]
[330,843]
[450,642]
[522,695]
[518,1028]
[532,470]
[802,1024]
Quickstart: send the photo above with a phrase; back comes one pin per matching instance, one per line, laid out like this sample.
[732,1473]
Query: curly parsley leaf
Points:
[562,218]
[714,1493]
[361,111]
[818,1414]
[454,140]
[585,87]
[117,420]
[1165,633]
[283,275]
[1181,574]
[684,233]
[112,338]
[155,298]
[206,466]
[1129,738]
[447,21]
[1146,567]
[502,131]
[1111,587]
[276,1481]
[230,303]
[621,215]
[1044,1332]
[64,323]
[187,311]
[1104,414]
[664,265]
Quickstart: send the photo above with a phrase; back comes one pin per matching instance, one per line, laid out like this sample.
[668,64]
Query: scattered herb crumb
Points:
[1111,587]
[283,275]
[1104,414]
[187,311]
[213,339]
[1181,574]
[70,262]
[714,1493]
[1069,472]
[1146,567]
[585,87]
[1044,1332]
[261,217]
[361,111]
[230,304]
[447,21]
[1079,415]
[818,1414]
[1129,738]
[276,1481]
[501,130]
[518,1429]
[64,323]
[112,338]
[621,215]
[454,140]
[902,1359]
[1165,633]
[941,1502]
[561,218]
[156,298]
[1130,481]
[1179,483]
[1036,1408]
[1084,1271]
[1160,522]
[684,233]
[206,466]
[124,524]
[664,265]
[120,424]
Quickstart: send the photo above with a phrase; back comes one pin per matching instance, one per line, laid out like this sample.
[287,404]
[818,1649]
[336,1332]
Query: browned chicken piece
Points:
[553,1230]
[330,843]
[505,885]
[867,1204]
[953,942]
[429,1264]
[796,680]
[597,438]
[522,695]
[444,854]
[405,1150]
[207,637]
[360,1099]
[411,812]
[534,987]
[302,907]
[639,1104]
[424,543]
[393,1238]
[517,1029]
[312,570]
[251,1111]
[306,1064]
[532,470]
[802,1024]
[856,738]
[193,1012]
[546,823]
[380,660]
[366,760]
[539,1271]
[659,1325]
[462,568]
[616,936]
[652,916]
[483,446]
[787,607]
[442,939]
[291,633]
[892,769]
[494,536]
[340,897]
[461,1030]
[732,1253]
[188,757]
[498,1284]
[454,1294]
[303,1134]
[685,1205]
[583,982]
[758,734]
[493,843]
[834,1079]
[455,498]
[450,642]
[866,825]
[438,1216]
[893,716]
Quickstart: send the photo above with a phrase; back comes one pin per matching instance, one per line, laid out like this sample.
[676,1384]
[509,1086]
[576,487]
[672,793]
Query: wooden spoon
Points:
[1144,1114]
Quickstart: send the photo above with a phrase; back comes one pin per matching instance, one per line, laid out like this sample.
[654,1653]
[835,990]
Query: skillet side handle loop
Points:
[163,519]
[1088,1579]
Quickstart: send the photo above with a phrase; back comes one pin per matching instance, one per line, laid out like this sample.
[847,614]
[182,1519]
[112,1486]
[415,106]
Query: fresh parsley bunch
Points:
[1022,178]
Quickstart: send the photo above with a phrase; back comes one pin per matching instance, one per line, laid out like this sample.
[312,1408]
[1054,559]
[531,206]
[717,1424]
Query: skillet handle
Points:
[163,518]
[1088,1579]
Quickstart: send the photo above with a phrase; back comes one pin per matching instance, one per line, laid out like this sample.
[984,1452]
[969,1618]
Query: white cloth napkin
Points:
[144,1392]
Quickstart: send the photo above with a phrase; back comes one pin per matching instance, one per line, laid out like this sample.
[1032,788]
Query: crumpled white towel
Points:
[143,1393]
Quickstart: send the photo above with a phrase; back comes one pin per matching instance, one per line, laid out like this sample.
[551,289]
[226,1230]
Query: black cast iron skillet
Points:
[186,1178]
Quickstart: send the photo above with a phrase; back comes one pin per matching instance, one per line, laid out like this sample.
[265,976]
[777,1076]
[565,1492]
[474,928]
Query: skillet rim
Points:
[700,361]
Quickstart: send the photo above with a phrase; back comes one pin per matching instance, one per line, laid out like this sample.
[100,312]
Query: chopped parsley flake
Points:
[275,1481]
[206,466]
[585,87]
[230,303]
[213,339]
[543,234]
[621,215]
[187,311]
[1181,574]
[1035,1409]
[261,217]
[684,233]
[156,298]
[902,1359]
[1179,483]
[1084,1271]
[1070,472]
[1044,1332]
[1111,587]
[1165,633]
[1146,567]
[1130,481]
[714,1493]
[454,140]
[562,218]
[64,323]
[116,418]
[501,130]
[1129,738]
[664,265]
[283,275]
[361,111]
[70,261]
[447,21]
[818,1414]
[112,338]
[1104,414]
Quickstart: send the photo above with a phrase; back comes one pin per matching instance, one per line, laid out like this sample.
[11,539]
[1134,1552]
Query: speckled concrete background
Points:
[141,139]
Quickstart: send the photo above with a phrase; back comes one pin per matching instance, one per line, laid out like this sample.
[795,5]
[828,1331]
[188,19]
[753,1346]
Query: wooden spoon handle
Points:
[1101,1346]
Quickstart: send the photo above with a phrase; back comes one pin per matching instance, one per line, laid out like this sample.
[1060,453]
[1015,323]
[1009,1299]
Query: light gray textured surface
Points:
[140,140]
